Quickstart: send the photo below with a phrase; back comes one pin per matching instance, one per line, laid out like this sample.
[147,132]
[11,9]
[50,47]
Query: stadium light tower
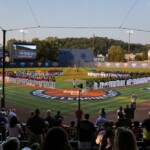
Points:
[129,32]
[23,33]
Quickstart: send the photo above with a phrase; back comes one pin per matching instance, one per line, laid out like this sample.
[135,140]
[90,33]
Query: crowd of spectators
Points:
[50,132]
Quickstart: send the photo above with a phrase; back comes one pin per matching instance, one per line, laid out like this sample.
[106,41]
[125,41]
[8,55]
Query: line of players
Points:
[50,81]
[40,81]
[119,83]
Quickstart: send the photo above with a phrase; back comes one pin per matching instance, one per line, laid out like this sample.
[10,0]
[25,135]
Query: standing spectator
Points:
[120,110]
[31,114]
[132,109]
[86,130]
[133,99]
[78,113]
[103,112]
[127,112]
[14,128]
[124,140]
[56,139]
[11,114]
[35,126]
[49,119]
[60,123]
[58,115]
[72,131]
[46,129]
[99,121]
[136,129]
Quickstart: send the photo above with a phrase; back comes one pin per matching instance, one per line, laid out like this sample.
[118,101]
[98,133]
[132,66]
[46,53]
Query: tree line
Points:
[47,49]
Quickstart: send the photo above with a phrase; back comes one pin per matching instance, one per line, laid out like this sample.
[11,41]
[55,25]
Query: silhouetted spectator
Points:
[58,115]
[124,140]
[86,130]
[120,110]
[11,144]
[35,126]
[49,119]
[103,112]
[56,139]
[127,112]
[136,129]
[72,131]
[132,109]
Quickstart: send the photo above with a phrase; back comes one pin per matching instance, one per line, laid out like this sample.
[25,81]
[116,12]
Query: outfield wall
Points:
[131,64]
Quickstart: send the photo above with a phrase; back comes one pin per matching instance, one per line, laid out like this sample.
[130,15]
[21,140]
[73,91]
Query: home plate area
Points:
[74,94]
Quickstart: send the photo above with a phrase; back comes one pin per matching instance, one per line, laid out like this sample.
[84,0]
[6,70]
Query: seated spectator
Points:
[107,140]
[35,146]
[137,130]
[56,139]
[124,140]
[14,128]
[11,144]
[146,131]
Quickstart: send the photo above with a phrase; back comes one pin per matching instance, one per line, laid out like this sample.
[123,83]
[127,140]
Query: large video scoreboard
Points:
[23,51]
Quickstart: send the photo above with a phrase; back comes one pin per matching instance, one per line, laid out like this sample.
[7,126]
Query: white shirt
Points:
[15,131]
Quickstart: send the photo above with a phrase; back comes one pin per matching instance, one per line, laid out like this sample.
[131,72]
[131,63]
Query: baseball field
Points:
[21,98]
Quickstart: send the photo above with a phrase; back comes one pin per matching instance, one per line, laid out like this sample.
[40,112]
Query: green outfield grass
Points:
[21,96]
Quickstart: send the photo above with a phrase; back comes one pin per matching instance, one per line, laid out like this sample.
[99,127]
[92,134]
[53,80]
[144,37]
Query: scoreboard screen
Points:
[23,51]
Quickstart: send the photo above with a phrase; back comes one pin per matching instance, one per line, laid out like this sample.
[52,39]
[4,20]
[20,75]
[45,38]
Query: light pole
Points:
[129,32]
[3,75]
[23,33]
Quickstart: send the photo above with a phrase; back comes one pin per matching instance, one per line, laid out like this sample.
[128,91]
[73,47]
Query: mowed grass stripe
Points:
[21,95]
